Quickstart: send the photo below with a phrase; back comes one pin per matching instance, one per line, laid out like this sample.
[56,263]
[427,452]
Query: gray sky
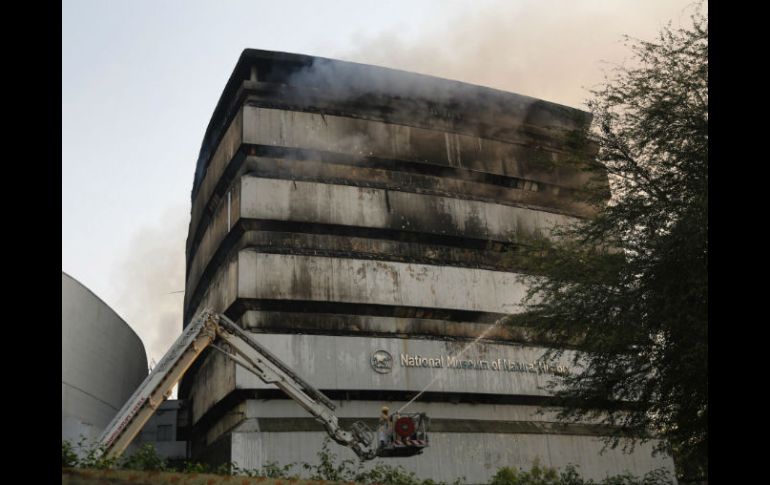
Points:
[140,80]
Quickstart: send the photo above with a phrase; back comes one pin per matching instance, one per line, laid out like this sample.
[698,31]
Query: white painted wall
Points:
[335,362]
[103,361]
[296,277]
[286,200]
[476,456]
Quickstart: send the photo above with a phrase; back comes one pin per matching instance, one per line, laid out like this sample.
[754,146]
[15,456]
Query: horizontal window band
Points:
[290,237]
[293,237]
[282,425]
[198,228]
[264,321]
[425,168]
[242,305]
[383,111]
[385,245]
[234,398]
[490,122]
[403,176]
[374,233]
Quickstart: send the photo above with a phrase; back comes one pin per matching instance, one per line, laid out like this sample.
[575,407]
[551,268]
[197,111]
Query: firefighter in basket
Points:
[383,430]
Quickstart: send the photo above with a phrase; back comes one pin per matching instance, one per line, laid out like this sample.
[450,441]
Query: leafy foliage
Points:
[69,459]
[88,454]
[146,458]
[348,470]
[629,288]
[329,468]
[85,455]
[542,475]
[536,476]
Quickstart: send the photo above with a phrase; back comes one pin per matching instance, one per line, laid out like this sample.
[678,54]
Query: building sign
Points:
[382,362]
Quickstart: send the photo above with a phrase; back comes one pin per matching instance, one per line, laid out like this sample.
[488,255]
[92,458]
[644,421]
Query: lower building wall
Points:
[472,457]
[466,440]
[483,417]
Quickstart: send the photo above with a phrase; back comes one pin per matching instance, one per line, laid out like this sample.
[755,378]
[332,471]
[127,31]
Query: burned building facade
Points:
[361,221]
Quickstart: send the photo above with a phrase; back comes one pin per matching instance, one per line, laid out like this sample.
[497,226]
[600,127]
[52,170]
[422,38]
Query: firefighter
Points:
[384,426]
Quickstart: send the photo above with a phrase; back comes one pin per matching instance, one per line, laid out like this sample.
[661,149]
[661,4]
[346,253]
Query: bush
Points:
[88,455]
[350,470]
[69,459]
[193,467]
[145,459]
[542,475]
[536,476]
[329,468]
[91,455]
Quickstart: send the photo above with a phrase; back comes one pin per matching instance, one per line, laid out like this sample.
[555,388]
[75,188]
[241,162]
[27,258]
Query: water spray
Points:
[460,354]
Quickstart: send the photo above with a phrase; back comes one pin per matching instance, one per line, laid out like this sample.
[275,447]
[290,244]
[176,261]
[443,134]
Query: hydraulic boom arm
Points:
[212,329]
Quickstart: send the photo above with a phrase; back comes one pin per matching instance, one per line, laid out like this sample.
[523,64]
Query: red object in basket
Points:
[404,427]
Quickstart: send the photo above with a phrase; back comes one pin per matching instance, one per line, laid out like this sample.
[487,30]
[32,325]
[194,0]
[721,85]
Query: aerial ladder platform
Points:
[405,436]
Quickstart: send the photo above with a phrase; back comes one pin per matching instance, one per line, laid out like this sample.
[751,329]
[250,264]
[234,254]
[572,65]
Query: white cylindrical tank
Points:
[103,362]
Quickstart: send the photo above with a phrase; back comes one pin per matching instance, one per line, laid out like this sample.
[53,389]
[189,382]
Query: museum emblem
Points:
[382,361]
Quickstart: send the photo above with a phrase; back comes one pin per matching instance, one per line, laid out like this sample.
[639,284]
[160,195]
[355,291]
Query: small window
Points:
[164,432]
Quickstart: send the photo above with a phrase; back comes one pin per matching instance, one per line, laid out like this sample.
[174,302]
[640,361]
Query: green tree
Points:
[628,288]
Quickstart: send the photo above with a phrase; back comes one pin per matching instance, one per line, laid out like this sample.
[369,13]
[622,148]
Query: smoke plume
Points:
[552,50]
[148,281]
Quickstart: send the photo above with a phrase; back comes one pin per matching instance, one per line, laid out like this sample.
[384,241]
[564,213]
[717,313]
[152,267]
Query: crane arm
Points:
[210,328]
[157,386]
[248,353]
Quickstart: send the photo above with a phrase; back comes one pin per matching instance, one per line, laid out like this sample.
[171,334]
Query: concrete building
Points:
[361,221]
[162,432]
[103,361]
